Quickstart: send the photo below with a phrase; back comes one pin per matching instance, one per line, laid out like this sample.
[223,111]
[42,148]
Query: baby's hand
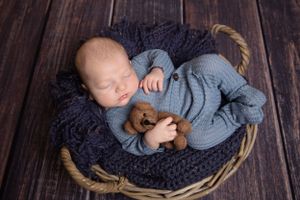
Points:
[153,81]
[163,131]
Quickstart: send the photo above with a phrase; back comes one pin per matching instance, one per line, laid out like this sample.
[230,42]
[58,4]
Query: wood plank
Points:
[21,29]
[35,170]
[150,11]
[281,28]
[264,175]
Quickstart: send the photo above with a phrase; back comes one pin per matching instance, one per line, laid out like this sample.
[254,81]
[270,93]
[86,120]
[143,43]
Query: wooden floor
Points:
[37,40]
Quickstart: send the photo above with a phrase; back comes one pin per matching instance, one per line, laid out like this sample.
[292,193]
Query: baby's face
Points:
[111,83]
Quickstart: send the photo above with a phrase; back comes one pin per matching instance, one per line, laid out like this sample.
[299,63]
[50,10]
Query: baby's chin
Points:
[122,103]
[118,104]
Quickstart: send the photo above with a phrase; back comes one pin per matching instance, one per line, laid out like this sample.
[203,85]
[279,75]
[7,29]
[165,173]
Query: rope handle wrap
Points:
[105,187]
[240,41]
[114,184]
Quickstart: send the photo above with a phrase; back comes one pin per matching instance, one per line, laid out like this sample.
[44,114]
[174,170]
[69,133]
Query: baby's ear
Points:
[90,97]
[84,87]
[87,90]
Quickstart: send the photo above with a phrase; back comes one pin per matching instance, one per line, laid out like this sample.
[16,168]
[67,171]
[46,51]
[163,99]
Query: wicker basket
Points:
[114,184]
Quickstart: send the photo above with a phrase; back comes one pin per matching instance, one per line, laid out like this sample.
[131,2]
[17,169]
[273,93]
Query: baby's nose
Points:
[121,87]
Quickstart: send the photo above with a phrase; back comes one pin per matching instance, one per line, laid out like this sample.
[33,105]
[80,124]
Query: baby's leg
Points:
[246,100]
[220,71]
[214,130]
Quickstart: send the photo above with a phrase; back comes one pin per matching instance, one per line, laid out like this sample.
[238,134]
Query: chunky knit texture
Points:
[81,126]
[195,94]
[172,169]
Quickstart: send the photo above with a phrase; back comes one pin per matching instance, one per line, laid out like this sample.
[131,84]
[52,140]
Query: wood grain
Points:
[35,170]
[264,175]
[34,47]
[282,36]
[21,29]
[150,11]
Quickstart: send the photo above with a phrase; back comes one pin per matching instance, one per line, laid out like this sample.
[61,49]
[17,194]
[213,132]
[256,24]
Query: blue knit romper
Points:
[193,91]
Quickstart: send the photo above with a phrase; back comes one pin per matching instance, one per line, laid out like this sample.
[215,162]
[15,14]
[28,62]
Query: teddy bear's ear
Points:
[143,105]
[129,128]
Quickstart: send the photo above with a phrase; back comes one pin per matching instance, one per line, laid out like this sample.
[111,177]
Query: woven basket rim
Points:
[115,184]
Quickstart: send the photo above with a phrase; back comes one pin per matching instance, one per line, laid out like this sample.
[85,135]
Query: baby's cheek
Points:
[103,98]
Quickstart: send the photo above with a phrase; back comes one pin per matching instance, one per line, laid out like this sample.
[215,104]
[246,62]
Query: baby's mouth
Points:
[123,97]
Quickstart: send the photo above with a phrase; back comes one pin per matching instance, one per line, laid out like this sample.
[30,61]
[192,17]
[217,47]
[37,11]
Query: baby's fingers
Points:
[141,84]
[167,121]
[160,85]
[154,85]
[172,127]
[145,86]
[172,135]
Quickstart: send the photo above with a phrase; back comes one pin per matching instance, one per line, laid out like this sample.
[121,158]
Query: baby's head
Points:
[106,72]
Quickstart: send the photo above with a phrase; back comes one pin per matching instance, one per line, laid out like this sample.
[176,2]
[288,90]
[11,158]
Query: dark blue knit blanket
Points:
[80,125]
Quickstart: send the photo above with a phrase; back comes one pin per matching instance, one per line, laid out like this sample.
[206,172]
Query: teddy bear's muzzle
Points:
[147,122]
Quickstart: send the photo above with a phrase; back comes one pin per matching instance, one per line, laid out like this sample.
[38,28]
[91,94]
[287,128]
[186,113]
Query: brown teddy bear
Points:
[143,117]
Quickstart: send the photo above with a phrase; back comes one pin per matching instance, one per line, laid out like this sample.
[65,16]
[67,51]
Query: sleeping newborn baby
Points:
[193,91]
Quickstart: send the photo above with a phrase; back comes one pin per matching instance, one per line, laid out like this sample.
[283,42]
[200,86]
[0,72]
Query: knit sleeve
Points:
[153,58]
[131,143]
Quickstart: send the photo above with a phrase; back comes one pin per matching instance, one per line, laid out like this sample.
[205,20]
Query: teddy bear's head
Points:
[142,117]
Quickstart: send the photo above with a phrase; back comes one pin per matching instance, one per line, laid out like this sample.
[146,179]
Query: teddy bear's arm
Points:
[129,128]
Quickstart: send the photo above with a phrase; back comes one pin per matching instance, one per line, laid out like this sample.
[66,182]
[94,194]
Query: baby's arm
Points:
[154,58]
[162,132]
[131,143]
[153,81]
[140,144]
[157,66]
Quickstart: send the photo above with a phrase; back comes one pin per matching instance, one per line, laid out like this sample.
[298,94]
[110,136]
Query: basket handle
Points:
[107,187]
[240,41]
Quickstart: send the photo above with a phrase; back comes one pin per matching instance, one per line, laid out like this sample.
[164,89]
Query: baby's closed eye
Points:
[127,75]
[103,87]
